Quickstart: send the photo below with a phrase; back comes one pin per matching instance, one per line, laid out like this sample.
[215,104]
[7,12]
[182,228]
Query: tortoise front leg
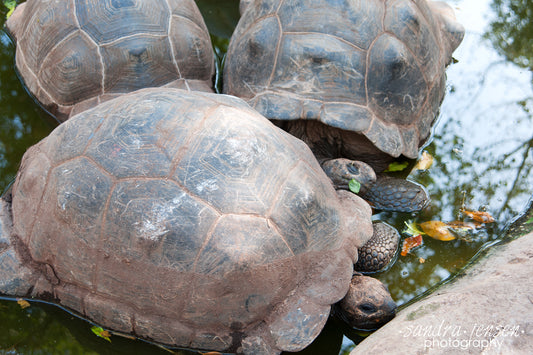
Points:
[394,194]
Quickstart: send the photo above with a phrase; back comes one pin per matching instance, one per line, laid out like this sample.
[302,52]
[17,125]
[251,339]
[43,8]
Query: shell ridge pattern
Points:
[367,74]
[278,194]
[172,49]
[76,13]
[41,68]
[91,137]
[100,243]
[413,54]
[185,147]
[70,35]
[287,139]
[436,29]
[206,241]
[371,124]
[272,224]
[98,49]
[297,95]
[172,46]
[278,46]
[39,205]
[303,33]
[28,33]
[243,34]
[183,150]
[133,35]
[22,57]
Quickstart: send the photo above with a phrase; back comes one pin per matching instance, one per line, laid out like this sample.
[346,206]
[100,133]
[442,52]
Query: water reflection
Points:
[22,123]
[482,149]
[511,32]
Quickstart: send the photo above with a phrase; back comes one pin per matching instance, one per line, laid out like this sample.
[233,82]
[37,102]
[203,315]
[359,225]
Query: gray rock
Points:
[486,310]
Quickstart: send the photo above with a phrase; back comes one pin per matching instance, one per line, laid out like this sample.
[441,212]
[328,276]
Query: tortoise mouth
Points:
[377,321]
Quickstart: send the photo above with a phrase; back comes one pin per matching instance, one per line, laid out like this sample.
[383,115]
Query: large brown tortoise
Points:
[73,54]
[358,80]
[188,219]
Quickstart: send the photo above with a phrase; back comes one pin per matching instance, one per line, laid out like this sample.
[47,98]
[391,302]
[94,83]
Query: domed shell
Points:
[369,66]
[81,52]
[189,219]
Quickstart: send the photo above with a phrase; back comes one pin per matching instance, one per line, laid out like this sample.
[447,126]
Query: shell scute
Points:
[44,27]
[133,63]
[230,248]
[131,149]
[408,23]
[244,174]
[259,43]
[109,20]
[320,67]
[76,62]
[396,82]
[74,201]
[352,21]
[157,222]
[306,214]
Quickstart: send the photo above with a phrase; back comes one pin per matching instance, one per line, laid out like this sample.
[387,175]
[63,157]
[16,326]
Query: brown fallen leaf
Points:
[99,331]
[478,216]
[23,303]
[464,225]
[410,243]
[105,334]
[437,230]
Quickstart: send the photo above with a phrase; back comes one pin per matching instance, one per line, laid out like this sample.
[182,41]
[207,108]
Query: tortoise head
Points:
[368,304]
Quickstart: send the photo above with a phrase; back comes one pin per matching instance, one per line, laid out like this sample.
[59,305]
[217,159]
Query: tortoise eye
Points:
[368,308]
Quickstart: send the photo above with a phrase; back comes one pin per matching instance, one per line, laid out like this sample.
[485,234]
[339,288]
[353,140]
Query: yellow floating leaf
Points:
[101,333]
[421,260]
[425,161]
[478,216]
[23,303]
[412,229]
[410,243]
[437,230]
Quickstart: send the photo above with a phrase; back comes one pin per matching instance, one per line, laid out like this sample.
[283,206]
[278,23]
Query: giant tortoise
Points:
[184,218]
[358,80]
[74,54]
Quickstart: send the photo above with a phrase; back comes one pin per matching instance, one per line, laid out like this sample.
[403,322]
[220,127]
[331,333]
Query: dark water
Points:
[482,157]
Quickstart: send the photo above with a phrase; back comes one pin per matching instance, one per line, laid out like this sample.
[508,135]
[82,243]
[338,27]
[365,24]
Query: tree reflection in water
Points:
[512,31]
[482,150]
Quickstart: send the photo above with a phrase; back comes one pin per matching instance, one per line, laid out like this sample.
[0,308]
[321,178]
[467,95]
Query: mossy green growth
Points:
[422,311]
